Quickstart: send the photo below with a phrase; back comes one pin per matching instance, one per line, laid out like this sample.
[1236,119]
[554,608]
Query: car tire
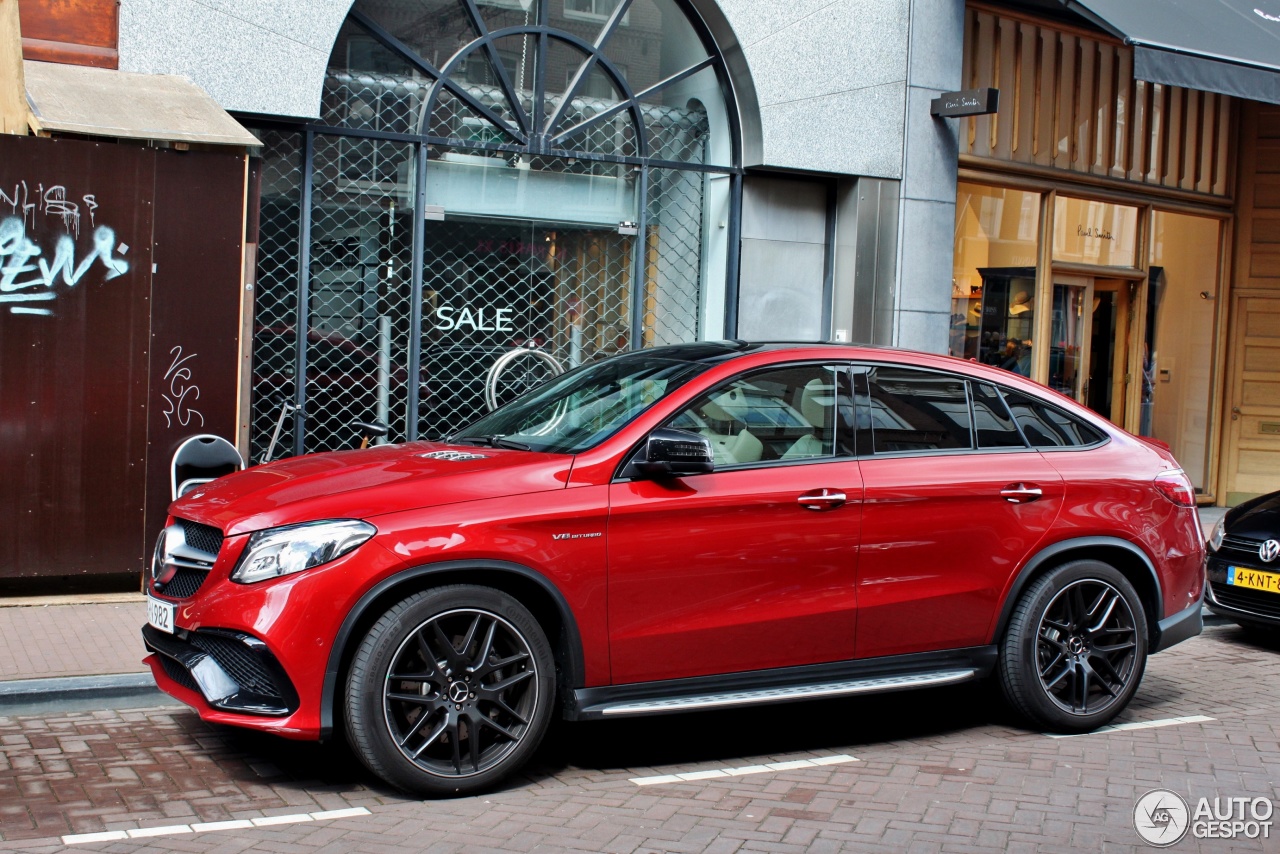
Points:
[450,691]
[1075,649]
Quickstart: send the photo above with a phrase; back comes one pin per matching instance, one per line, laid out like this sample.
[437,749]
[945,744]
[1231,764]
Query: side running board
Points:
[842,688]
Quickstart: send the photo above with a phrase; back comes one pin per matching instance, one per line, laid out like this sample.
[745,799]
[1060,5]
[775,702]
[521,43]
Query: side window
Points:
[993,424]
[791,413]
[1048,427]
[911,410]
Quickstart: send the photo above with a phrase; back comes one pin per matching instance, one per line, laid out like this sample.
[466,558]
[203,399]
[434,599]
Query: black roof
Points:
[719,351]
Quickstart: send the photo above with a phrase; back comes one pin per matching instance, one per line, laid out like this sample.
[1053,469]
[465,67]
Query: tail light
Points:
[1175,486]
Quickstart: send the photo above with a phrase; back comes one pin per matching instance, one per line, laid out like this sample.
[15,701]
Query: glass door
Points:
[1068,353]
[1088,357]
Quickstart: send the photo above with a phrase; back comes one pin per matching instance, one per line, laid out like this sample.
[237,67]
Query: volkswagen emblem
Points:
[1269,551]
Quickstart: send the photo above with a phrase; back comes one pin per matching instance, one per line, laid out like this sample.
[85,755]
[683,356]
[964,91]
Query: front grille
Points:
[178,673]
[206,538]
[240,662]
[1254,601]
[185,582]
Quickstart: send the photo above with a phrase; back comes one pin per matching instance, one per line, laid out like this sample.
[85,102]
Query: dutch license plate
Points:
[160,614]
[1254,579]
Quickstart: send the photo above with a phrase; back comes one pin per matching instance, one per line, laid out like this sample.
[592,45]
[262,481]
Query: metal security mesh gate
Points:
[438,218]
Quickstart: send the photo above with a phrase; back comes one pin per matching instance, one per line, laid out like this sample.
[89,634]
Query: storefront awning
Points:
[1226,46]
[119,104]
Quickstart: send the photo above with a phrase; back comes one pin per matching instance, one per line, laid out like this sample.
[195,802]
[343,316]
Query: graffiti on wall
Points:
[31,279]
[181,391]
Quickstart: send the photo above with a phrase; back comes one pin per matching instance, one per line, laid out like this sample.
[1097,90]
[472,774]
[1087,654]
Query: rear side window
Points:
[909,410]
[994,426]
[1046,426]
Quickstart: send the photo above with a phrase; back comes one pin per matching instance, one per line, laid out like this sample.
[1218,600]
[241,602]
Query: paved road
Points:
[940,770]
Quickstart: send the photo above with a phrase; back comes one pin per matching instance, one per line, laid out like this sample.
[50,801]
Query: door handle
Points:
[823,499]
[1021,493]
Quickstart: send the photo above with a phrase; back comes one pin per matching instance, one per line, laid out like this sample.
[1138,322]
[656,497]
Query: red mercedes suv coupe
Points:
[677,529]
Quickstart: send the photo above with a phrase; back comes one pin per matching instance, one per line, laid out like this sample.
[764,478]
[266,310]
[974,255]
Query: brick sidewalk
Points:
[942,770]
[78,639]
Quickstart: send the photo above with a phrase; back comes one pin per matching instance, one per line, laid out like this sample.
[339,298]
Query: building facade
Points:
[452,199]
[443,181]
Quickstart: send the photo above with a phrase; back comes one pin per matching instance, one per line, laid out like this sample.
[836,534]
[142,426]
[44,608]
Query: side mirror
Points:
[673,453]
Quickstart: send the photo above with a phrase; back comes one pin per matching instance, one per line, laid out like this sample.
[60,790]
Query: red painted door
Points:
[728,571]
[941,540]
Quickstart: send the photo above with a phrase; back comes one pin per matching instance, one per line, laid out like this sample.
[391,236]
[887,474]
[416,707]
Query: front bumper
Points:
[1239,603]
[230,671]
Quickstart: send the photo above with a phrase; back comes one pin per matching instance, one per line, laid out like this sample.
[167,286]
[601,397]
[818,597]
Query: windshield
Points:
[584,407]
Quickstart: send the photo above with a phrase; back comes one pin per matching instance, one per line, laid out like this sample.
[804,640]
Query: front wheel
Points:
[1075,649]
[450,691]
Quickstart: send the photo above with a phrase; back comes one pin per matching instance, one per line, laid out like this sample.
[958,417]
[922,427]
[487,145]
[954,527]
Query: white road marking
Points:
[711,773]
[1189,719]
[236,824]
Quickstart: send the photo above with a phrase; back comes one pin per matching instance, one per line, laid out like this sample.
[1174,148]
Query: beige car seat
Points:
[817,404]
[729,448]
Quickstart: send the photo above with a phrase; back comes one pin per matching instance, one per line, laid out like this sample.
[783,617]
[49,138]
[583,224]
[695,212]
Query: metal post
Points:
[639,265]
[415,293]
[303,323]
[732,267]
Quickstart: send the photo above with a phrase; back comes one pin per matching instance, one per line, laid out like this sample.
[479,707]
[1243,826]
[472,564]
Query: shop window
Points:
[1095,233]
[994,278]
[907,410]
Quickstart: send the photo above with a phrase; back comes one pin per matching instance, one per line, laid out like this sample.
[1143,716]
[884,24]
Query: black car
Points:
[1244,565]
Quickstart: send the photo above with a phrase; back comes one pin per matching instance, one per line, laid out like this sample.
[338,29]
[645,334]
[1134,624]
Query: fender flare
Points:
[573,665]
[1031,569]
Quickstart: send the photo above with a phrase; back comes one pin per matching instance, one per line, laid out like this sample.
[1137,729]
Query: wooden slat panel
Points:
[1190,137]
[1204,142]
[1266,227]
[1263,265]
[1170,137]
[1082,131]
[1266,191]
[1006,38]
[986,27]
[1071,102]
[1126,104]
[1104,111]
[1222,147]
[1268,155]
[1026,82]
[1268,121]
[1260,393]
[1064,128]
[1262,359]
[1260,323]
[1046,111]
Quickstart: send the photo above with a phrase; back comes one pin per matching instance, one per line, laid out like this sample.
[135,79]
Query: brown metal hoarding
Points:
[81,357]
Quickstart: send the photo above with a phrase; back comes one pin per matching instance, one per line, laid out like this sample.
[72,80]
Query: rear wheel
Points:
[450,691]
[1076,647]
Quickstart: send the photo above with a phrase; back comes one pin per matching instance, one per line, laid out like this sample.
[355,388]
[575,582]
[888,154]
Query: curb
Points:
[21,693]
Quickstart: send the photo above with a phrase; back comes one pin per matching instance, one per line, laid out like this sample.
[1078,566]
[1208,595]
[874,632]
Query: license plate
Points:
[160,614]
[1254,579]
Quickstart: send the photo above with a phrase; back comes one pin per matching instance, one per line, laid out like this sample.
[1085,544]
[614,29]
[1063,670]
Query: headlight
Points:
[284,551]
[1215,536]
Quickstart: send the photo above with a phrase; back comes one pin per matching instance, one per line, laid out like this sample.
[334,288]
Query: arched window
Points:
[486,175]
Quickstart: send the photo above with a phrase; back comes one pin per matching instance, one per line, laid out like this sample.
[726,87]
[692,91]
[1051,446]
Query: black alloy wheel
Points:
[450,691]
[1075,649]
[1086,647]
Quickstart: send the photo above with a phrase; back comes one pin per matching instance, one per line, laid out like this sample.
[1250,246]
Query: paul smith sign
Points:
[1094,231]
[968,102]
